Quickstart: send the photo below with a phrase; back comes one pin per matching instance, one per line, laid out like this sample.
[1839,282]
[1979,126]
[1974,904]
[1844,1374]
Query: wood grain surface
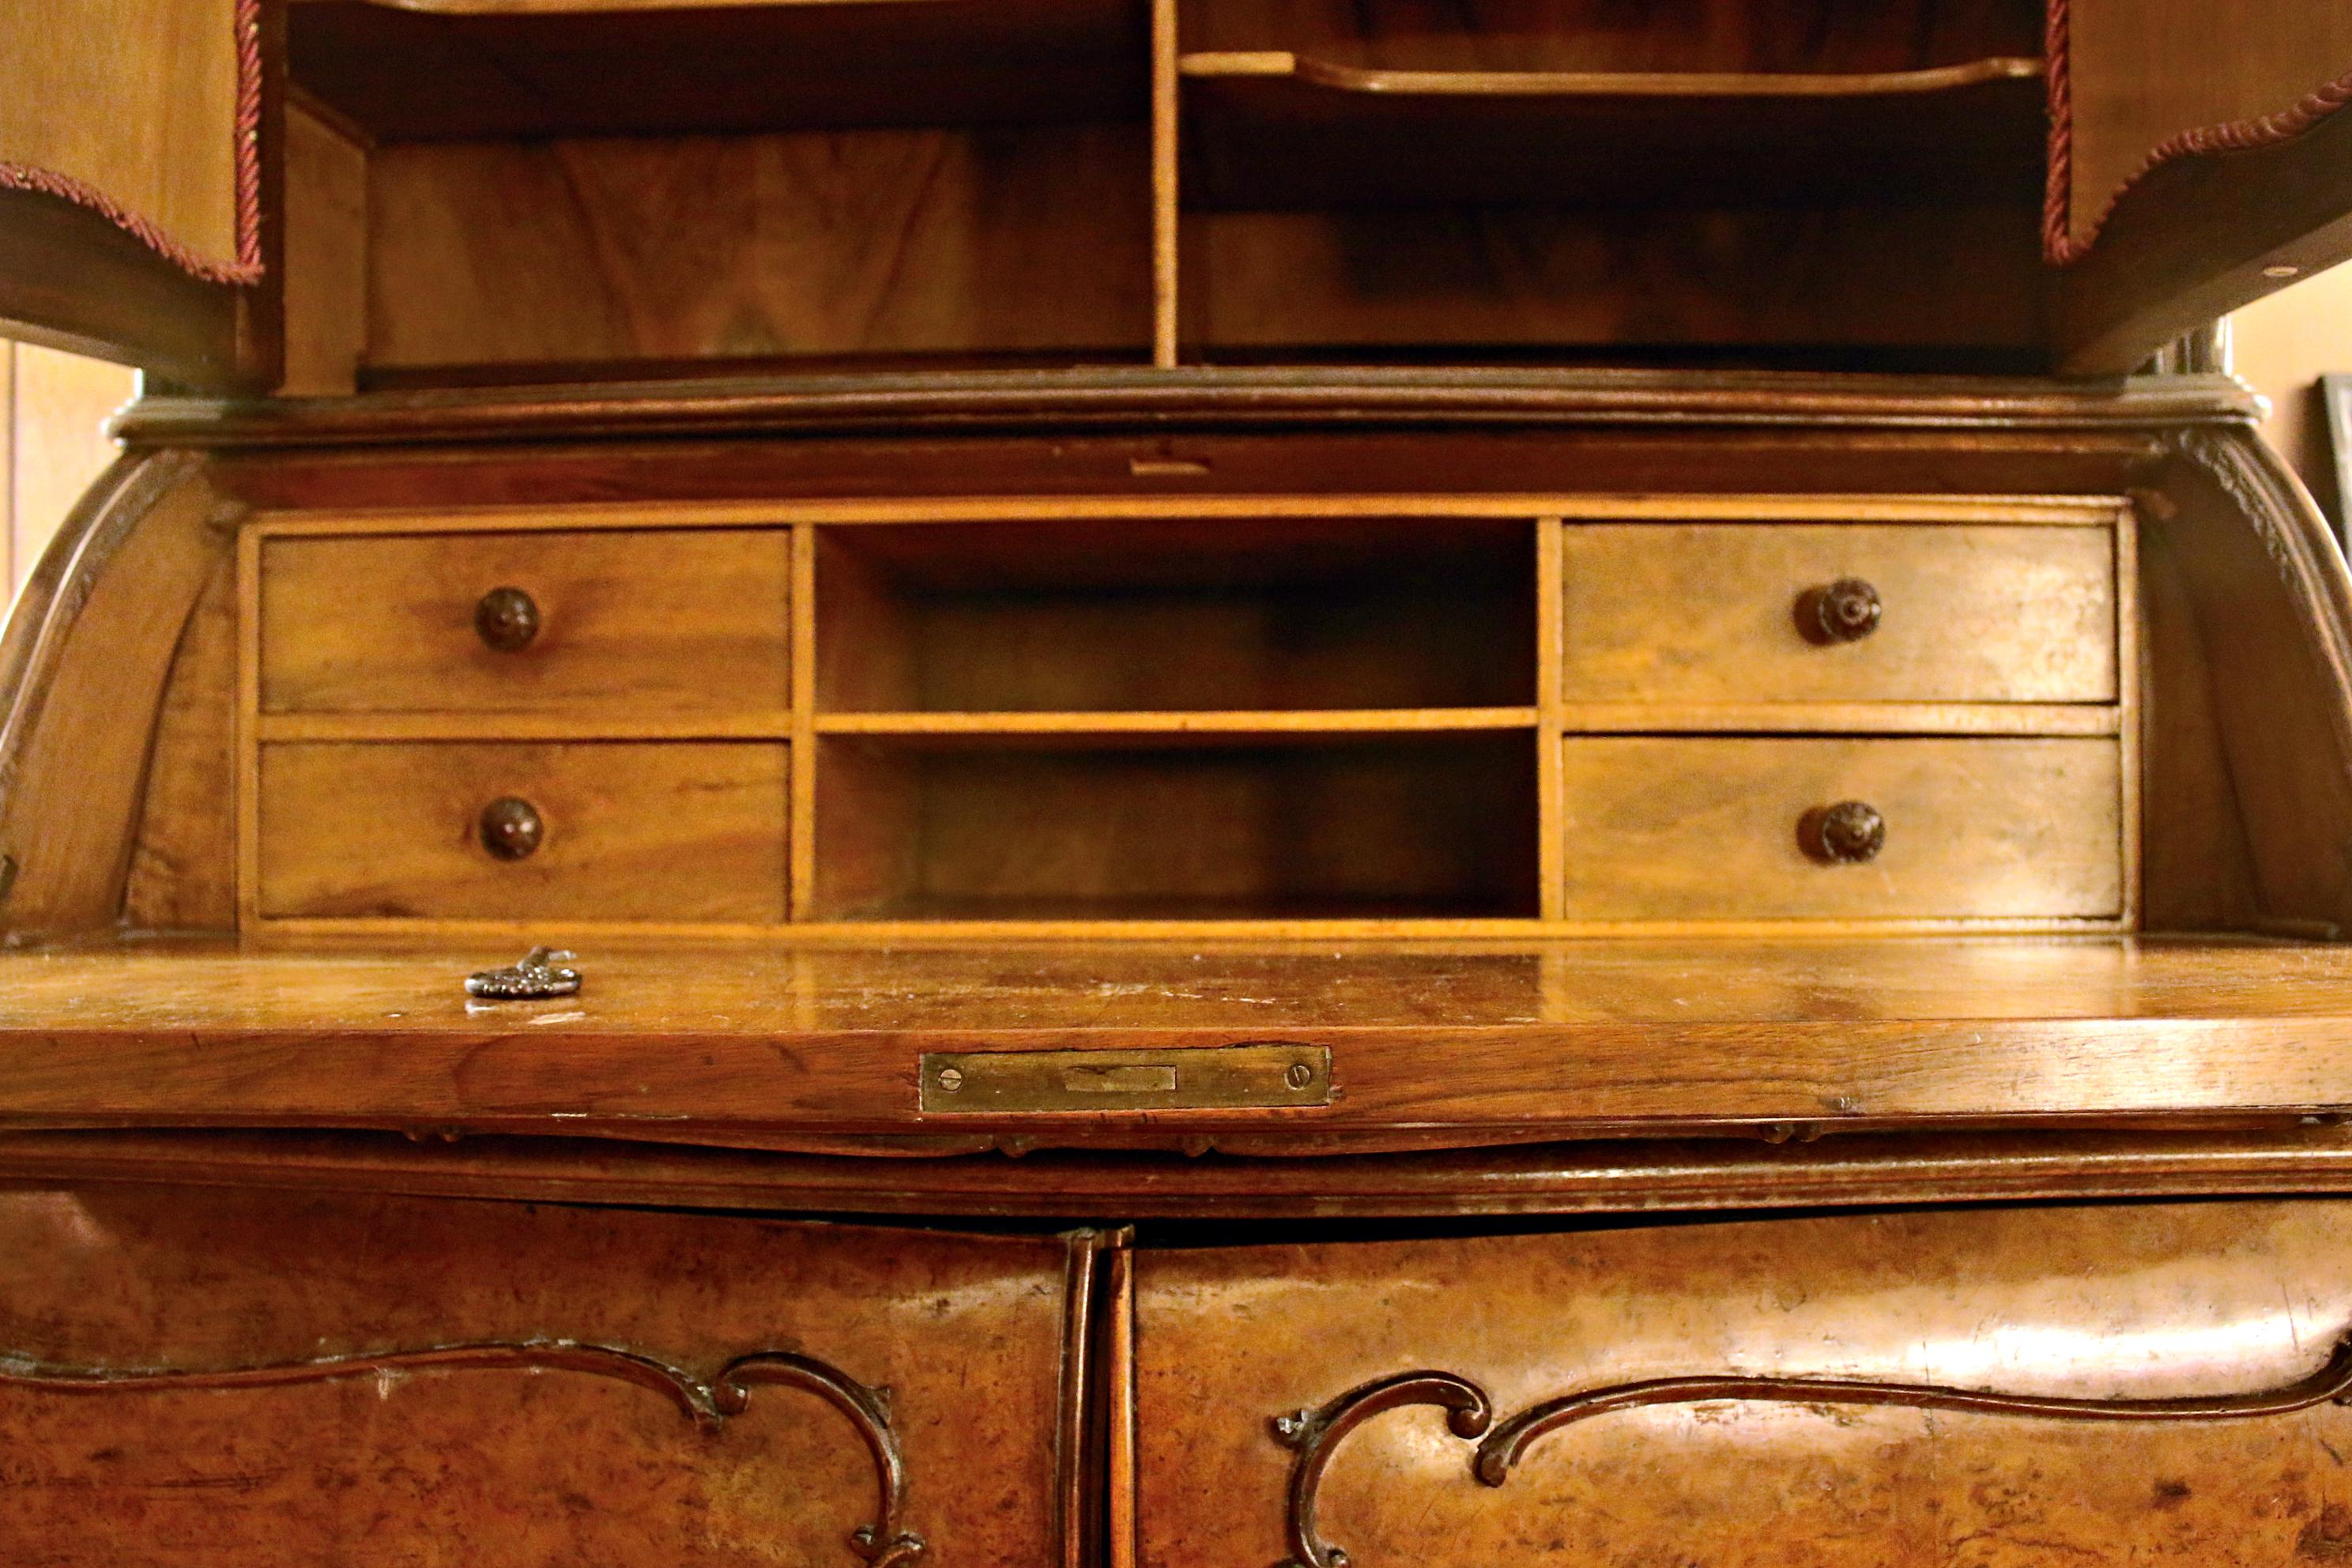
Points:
[1693,828]
[631,831]
[2122,1303]
[668,623]
[1462,1043]
[875,242]
[523,1466]
[1715,613]
[136,100]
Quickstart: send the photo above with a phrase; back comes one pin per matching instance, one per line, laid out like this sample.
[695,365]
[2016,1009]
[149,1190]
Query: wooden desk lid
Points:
[1459,1044]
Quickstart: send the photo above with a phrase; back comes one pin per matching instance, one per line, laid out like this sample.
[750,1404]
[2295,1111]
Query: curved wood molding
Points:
[1316,1434]
[2063,242]
[85,657]
[1223,398]
[247,266]
[885,1544]
[2288,736]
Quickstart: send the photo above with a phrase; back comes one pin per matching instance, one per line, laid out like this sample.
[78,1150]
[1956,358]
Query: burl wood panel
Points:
[689,621]
[1700,828]
[2134,1303]
[496,1464]
[631,831]
[1716,613]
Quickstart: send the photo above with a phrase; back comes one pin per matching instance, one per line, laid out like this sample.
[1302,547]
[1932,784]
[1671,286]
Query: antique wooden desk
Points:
[1525,781]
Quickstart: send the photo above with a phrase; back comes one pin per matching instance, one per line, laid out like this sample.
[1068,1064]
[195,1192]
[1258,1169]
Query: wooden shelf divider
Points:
[1250,723]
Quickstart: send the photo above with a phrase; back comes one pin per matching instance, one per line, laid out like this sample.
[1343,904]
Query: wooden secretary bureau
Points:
[1288,784]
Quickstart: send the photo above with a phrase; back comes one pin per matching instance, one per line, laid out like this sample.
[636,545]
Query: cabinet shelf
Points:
[1380,826]
[1274,129]
[1263,723]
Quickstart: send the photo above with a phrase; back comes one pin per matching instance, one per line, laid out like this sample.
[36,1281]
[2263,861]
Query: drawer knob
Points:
[511,828]
[1847,610]
[507,619]
[1846,834]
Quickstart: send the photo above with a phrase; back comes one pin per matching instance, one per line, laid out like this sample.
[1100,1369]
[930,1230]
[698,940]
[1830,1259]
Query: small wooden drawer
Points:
[690,620]
[1689,1394]
[190,1379]
[1717,828]
[583,832]
[1839,612]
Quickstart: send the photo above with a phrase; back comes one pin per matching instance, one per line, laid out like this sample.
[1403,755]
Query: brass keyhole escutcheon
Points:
[507,619]
[511,828]
[1848,610]
[1847,834]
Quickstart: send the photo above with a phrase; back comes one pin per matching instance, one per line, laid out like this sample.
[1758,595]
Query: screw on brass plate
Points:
[1299,1076]
[951,1079]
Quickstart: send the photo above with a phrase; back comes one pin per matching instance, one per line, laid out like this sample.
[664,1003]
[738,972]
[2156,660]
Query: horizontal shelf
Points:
[1840,718]
[1254,724]
[765,724]
[1278,130]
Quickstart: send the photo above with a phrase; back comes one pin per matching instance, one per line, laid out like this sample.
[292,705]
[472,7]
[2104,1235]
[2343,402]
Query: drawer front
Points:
[191,1378]
[1757,1461]
[674,621]
[1734,613]
[1711,828]
[624,831]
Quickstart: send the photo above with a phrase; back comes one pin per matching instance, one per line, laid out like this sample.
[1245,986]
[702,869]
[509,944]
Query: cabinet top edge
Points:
[1111,400]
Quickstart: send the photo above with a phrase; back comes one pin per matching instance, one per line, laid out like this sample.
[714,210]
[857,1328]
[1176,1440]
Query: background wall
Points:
[52,406]
[2284,344]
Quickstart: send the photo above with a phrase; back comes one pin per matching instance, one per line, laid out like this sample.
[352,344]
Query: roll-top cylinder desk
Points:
[1175,783]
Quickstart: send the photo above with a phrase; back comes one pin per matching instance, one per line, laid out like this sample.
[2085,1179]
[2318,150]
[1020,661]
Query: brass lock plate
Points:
[1256,1076]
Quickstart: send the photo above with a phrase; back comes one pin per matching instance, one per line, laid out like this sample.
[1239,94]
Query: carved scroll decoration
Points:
[885,1544]
[1316,1434]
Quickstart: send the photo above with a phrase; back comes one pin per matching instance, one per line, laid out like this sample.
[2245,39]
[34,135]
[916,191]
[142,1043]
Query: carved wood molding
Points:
[885,1544]
[1316,1434]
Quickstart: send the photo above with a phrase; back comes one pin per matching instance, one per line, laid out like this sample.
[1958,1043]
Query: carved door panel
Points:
[2123,1385]
[207,1379]
[137,156]
[2200,158]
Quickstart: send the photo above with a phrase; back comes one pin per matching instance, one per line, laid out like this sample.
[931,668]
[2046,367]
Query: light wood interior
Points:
[1289,715]
[551,193]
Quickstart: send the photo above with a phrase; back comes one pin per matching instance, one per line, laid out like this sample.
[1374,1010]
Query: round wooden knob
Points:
[511,828]
[1847,610]
[1846,834]
[507,619]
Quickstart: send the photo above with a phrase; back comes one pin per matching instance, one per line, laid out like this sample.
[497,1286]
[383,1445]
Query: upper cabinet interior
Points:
[535,192]
[1593,180]
[449,192]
